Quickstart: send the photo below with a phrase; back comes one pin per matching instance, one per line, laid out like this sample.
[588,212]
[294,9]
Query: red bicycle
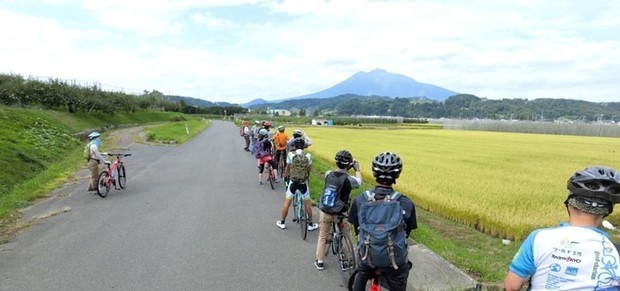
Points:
[115,172]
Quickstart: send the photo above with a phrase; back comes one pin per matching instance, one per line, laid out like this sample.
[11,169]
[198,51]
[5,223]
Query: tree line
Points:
[56,94]
[462,106]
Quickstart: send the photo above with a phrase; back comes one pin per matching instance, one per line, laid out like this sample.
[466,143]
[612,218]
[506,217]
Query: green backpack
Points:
[299,168]
[87,151]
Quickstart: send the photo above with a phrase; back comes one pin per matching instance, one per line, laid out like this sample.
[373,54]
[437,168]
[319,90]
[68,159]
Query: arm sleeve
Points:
[523,264]
[355,182]
[95,150]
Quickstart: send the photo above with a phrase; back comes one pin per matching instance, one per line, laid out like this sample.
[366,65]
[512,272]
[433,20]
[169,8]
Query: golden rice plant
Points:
[505,184]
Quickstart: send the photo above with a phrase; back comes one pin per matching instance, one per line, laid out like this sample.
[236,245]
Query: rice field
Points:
[505,184]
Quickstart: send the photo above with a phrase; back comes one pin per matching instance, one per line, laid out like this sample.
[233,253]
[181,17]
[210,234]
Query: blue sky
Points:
[239,50]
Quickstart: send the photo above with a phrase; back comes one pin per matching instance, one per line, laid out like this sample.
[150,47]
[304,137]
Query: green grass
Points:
[482,256]
[42,148]
[176,132]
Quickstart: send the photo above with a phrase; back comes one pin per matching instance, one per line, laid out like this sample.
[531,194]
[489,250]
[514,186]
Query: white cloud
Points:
[278,49]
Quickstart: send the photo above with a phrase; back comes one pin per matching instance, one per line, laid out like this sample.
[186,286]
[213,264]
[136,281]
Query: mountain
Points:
[379,82]
[254,103]
[200,103]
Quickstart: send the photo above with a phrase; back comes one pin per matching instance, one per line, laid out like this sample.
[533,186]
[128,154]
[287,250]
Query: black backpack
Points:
[330,199]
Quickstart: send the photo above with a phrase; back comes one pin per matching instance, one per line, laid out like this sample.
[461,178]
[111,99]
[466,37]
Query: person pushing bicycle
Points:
[94,159]
[297,176]
[340,181]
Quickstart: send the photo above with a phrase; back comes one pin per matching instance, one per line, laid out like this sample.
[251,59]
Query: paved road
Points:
[191,218]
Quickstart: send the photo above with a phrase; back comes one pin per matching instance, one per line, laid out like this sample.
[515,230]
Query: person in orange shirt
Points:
[280,139]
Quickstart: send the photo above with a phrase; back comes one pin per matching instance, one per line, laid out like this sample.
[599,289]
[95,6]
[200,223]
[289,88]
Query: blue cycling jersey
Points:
[568,258]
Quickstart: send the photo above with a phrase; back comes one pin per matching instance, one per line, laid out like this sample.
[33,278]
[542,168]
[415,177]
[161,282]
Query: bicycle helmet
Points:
[297,133]
[263,132]
[256,122]
[343,158]
[299,143]
[94,135]
[594,190]
[386,168]
[281,128]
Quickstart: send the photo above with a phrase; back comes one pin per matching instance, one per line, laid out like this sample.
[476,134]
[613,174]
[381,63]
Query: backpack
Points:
[241,130]
[87,151]
[382,238]
[330,201]
[298,170]
[259,149]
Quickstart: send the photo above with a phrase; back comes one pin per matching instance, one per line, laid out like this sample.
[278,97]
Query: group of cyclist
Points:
[386,168]
[575,255]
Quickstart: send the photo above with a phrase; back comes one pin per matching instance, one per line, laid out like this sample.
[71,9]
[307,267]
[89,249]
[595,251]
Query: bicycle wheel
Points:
[303,218]
[271,178]
[281,166]
[346,256]
[103,185]
[122,176]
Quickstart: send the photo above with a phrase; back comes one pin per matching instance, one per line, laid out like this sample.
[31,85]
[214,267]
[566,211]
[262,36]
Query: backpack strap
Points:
[370,196]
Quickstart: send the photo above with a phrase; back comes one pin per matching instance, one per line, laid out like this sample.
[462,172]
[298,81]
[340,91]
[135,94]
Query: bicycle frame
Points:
[111,174]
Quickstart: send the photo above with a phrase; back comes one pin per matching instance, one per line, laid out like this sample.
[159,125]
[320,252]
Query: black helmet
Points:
[386,168]
[343,157]
[297,133]
[594,190]
[299,143]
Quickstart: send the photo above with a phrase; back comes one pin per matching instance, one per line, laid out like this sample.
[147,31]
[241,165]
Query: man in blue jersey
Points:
[574,255]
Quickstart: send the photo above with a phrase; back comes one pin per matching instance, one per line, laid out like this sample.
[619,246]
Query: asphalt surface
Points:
[192,217]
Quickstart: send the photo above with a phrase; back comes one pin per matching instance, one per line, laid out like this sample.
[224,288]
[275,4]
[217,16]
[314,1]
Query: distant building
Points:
[280,112]
[324,122]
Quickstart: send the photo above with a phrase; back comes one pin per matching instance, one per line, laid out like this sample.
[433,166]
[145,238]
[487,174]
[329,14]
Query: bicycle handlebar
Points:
[117,155]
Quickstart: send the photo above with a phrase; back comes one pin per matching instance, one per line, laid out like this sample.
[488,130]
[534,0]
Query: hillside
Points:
[458,106]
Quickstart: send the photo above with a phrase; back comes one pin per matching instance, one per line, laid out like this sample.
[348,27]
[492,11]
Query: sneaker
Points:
[277,180]
[280,224]
[319,265]
[312,226]
[260,183]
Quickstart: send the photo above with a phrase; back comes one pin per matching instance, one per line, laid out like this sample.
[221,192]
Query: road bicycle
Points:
[374,284]
[271,177]
[341,245]
[281,164]
[301,216]
[115,175]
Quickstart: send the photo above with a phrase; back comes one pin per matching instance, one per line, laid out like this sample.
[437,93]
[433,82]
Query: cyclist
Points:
[94,159]
[298,133]
[267,126]
[344,162]
[292,186]
[574,255]
[245,133]
[254,135]
[280,140]
[386,168]
[264,155]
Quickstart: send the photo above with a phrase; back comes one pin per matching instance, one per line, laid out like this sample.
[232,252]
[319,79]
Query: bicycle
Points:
[108,177]
[281,164]
[301,216]
[374,284]
[271,177]
[341,245]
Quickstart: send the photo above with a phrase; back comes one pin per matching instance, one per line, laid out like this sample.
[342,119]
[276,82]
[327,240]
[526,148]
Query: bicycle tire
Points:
[122,176]
[303,218]
[271,178]
[102,187]
[281,166]
[346,257]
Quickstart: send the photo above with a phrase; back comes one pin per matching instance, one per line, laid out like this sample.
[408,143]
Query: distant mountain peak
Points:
[380,82]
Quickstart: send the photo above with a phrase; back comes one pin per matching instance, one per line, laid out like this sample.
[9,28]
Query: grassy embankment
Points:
[41,148]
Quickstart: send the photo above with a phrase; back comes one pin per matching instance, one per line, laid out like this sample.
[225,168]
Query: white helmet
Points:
[94,135]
